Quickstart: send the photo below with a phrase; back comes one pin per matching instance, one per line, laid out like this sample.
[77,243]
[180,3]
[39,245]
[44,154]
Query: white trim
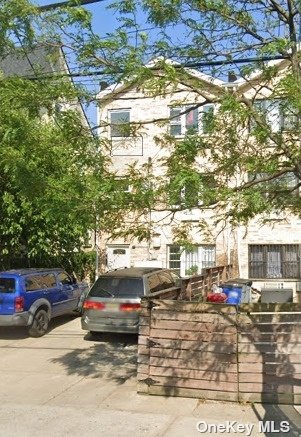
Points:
[117,88]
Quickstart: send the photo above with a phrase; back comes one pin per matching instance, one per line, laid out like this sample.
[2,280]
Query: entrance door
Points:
[118,256]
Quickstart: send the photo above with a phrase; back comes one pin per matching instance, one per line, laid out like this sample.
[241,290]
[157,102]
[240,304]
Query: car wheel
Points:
[95,334]
[39,324]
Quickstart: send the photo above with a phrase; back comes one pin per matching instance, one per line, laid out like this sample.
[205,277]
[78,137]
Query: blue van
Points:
[31,297]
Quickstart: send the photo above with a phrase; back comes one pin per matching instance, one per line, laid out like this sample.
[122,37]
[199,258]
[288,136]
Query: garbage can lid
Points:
[239,281]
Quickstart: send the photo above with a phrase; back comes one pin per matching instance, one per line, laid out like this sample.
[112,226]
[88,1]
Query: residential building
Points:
[269,254]
[41,61]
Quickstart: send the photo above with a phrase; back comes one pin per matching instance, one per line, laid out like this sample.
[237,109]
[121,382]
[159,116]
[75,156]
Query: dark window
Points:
[119,252]
[38,282]
[65,279]
[273,261]
[110,286]
[120,123]
[7,285]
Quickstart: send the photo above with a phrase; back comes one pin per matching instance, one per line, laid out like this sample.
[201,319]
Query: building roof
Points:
[111,91]
[41,59]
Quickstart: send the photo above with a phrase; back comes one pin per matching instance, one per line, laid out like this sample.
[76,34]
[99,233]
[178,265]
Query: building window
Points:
[187,262]
[268,111]
[199,189]
[122,186]
[288,182]
[174,258]
[279,115]
[197,120]
[274,261]
[289,118]
[120,123]
[207,119]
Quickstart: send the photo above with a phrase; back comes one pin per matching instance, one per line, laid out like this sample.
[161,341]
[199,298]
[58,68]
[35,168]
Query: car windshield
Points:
[7,285]
[110,286]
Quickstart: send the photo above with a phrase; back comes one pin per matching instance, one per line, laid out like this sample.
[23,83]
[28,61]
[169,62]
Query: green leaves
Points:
[49,172]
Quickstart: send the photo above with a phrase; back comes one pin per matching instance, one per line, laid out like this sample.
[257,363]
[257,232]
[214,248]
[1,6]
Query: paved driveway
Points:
[69,384]
[46,370]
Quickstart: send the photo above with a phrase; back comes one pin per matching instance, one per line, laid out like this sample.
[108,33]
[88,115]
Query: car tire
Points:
[95,334]
[39,324]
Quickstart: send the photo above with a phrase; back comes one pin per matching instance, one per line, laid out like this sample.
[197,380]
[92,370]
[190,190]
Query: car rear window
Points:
[110,286]
[7,285]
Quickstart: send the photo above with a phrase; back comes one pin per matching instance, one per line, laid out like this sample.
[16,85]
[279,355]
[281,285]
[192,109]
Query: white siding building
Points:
[269,254]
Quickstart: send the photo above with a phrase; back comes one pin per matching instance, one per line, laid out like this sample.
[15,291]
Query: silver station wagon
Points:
[113,303]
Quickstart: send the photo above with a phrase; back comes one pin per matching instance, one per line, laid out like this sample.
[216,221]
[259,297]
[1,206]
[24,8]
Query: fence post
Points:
[143,346]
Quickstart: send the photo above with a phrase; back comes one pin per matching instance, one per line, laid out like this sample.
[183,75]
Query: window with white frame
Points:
[289,118]
[274,261]
[184,120]
[119,123]
[188,262]
[278,114]
[267,111]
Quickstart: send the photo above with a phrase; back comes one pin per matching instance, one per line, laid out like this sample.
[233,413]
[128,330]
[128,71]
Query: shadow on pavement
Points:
[111,337]
[111,356]
[20,333]
[276,418]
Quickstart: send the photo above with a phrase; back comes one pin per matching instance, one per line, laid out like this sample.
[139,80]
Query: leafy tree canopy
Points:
[251,167]
[50,165]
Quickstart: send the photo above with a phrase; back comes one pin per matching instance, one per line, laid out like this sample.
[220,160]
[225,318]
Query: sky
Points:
[103,19]
[104,22]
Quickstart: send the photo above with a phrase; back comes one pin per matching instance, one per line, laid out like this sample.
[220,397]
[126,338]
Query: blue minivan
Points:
[31,297]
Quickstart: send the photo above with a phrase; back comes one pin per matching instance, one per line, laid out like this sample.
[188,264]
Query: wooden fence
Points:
[221,352]
[196,287]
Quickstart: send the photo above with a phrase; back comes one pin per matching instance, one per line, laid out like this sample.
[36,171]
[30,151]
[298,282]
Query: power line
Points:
[187,65]
[51,6]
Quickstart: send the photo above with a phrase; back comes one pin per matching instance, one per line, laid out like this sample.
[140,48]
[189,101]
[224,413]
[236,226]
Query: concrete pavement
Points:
[68,383]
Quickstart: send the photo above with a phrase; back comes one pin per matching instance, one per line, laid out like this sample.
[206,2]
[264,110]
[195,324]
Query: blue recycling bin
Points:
[238,291]
[234,295]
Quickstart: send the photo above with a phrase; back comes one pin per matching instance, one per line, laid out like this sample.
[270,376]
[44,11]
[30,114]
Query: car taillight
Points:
[19,304]
[91,305]
[130,306]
